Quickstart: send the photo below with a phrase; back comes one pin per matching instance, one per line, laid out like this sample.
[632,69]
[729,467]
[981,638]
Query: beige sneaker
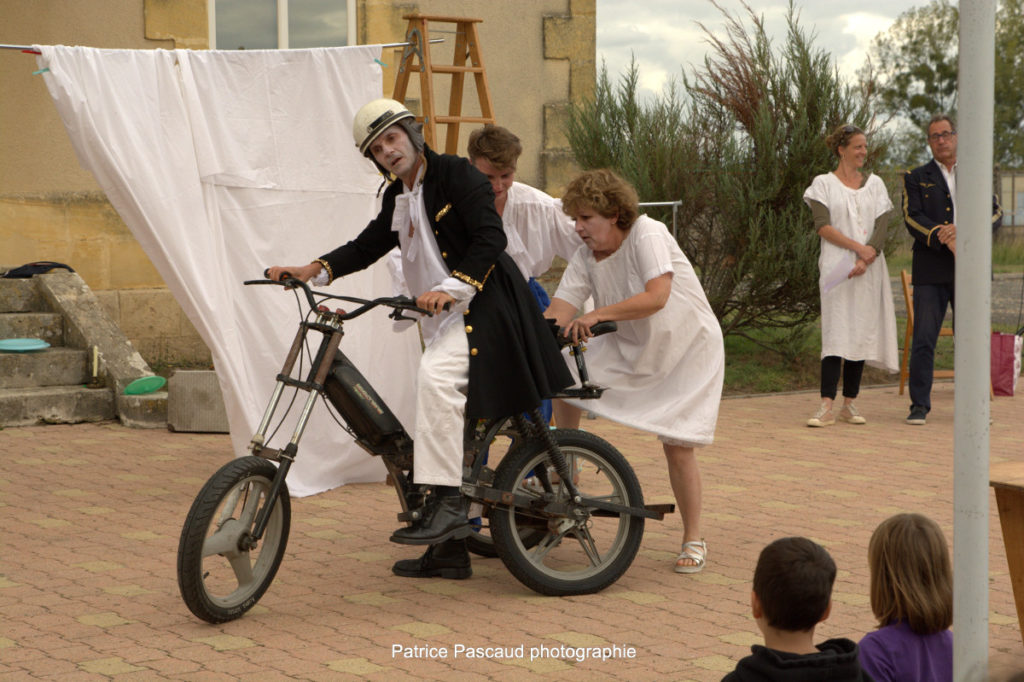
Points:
[823,417]
[850,415]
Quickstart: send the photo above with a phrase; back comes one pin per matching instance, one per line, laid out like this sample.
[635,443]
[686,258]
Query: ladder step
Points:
[436,68]
[463,119]
[443,19]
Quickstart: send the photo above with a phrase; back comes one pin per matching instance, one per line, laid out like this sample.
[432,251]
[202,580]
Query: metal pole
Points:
[30,49]
[973,218]
[675,212]
[282,24]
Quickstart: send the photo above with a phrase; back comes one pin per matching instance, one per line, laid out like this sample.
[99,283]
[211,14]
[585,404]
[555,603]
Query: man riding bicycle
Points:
[489,352]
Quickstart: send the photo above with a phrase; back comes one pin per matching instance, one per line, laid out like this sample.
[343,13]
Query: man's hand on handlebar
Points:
[434,301]
[302,272]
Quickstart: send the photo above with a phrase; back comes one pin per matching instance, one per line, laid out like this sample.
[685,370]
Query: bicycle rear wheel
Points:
[219,576]
[574,555]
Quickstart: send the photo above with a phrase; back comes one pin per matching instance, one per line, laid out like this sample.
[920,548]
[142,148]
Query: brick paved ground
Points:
[91,517]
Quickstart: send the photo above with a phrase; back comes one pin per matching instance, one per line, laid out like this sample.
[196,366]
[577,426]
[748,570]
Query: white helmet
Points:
[376,117]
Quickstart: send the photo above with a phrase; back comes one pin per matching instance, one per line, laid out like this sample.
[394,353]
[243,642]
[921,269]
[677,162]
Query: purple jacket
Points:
[896,654]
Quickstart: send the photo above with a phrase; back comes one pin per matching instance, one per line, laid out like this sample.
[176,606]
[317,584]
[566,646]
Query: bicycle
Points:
[565,509]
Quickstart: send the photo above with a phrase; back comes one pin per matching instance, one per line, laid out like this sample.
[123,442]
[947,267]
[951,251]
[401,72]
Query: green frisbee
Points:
[144,385]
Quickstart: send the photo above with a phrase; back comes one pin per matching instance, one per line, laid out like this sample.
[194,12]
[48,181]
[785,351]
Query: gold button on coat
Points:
[469,329]
[473,351]
[444,254]
[466,311]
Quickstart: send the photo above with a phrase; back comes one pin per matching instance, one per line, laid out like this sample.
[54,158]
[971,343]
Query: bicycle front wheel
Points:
[220,576]
[579,554]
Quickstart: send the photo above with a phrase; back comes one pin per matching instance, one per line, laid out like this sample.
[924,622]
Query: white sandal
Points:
[697,552]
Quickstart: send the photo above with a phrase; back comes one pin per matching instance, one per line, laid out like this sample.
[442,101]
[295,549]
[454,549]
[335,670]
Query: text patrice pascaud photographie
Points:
[579,654]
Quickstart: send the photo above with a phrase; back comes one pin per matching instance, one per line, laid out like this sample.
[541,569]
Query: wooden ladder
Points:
[467,59]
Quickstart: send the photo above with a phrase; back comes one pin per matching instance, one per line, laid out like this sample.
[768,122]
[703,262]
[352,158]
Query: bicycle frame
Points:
[377,431]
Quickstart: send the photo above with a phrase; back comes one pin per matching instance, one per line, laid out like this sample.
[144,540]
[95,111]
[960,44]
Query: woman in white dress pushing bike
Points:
[665,365]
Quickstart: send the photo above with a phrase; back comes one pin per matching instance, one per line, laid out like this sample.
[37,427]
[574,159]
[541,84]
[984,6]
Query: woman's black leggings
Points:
[852,371]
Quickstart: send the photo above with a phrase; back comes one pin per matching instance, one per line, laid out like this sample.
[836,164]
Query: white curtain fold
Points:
[222,163]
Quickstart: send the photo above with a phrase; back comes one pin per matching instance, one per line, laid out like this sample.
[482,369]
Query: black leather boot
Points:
[449,559]
[445,519]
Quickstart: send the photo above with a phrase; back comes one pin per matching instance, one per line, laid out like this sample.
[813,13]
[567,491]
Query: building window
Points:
[281,24]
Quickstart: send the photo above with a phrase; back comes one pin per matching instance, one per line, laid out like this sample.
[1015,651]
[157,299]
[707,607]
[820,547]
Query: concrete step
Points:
[55,366]
[20,296]
[143,411]
[55,405]
[46,326]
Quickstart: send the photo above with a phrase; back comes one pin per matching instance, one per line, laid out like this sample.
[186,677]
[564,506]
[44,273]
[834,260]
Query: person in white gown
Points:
[858,324]
[664,366]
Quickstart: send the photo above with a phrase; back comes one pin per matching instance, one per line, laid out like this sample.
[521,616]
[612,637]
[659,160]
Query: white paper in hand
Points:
[838,274]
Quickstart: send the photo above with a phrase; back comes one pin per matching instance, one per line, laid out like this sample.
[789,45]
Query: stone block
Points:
[195,403]
[189,349]
[559,168]
[51,367]
[555,117]
[149,313]
[91,260]
[19,295]
[111,302]
[46,326]
[130,266]
[143,411]
[55,405]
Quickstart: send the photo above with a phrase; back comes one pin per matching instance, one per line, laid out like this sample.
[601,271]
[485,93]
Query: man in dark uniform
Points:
[488,351]
[929,195]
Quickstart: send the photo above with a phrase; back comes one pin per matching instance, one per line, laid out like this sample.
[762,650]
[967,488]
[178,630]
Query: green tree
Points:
[738,146]
[914,67]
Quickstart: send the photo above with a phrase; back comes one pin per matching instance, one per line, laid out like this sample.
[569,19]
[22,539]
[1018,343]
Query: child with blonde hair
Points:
[912,598]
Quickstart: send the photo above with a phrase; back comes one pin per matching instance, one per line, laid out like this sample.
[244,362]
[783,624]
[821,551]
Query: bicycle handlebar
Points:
[597,329]
[397,303]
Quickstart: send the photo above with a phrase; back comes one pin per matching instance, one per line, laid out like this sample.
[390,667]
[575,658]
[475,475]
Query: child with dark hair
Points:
[792,594]
[912,598]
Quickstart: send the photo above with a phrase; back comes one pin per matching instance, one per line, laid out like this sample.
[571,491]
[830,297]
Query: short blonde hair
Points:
[604,192]
[911,574]
[499,146]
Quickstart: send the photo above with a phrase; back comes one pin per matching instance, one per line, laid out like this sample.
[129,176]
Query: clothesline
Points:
[28,49]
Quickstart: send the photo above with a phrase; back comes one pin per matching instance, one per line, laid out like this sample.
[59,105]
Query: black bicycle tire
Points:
[627,538]
[191,577]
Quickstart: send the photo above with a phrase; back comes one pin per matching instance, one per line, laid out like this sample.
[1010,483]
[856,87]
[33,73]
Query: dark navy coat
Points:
[514,359]
[927,205]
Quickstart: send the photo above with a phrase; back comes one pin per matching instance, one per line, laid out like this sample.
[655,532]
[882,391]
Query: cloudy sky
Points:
[665,38]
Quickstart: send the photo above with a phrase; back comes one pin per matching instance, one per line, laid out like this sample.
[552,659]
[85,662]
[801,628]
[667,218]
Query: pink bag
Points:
[1006,349]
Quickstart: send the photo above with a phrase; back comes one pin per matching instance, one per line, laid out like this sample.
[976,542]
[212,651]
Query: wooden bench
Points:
[1007,479]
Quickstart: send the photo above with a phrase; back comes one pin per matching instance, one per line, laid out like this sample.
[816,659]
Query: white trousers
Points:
[441,386]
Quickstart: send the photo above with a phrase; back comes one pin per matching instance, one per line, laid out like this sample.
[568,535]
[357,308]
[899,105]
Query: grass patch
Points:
[750,368]
[1008,257]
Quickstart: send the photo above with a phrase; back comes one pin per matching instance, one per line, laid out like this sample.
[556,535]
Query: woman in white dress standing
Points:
[858,323]
[665,364]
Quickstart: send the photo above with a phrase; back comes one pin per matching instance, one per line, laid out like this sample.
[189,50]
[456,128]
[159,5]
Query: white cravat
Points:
[422,265]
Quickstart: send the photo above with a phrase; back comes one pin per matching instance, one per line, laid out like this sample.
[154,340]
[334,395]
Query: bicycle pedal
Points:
[411,516]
